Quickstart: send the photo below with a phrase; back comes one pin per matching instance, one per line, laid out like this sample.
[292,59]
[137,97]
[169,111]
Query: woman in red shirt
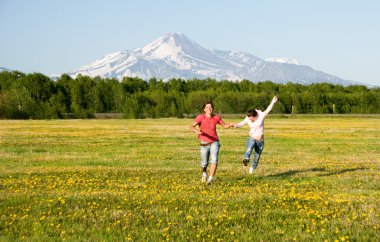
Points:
[209,140]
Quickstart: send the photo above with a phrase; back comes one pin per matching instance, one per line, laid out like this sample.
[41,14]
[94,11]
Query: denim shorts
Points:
[209,151]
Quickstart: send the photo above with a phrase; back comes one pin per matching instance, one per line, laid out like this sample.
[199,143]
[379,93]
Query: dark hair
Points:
[251,112]
[208,102]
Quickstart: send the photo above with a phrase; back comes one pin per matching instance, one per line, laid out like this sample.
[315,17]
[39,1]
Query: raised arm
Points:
[269,108]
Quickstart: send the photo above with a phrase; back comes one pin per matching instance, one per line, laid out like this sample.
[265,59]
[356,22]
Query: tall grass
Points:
[139,180]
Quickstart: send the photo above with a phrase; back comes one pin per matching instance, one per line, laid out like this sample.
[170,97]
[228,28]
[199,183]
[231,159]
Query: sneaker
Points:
[203,179]
[251,170]
[209,180]
[245,162]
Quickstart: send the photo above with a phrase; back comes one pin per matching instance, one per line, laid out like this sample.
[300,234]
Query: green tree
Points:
[227,102]
[248,86]
[63,96]
[196,85]
[139,105]
[195,101]
[134,84]
[268,87]
[227,86]
[16,103]
[177,85]
[8,78]
[39,86]
[84,97]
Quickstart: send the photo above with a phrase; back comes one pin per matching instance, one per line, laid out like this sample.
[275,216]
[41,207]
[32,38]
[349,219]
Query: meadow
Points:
[139,180]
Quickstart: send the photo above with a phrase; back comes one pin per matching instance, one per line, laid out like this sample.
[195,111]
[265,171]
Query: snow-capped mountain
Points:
[284,60]
[4,69]
[174,55]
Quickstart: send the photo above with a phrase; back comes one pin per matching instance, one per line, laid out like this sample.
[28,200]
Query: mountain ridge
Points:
[174,55]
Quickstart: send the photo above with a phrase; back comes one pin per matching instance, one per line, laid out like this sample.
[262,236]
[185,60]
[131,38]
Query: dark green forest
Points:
[36,96]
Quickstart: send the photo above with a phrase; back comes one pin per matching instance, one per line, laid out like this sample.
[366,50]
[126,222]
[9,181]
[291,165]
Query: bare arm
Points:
[227,126]
[192,128]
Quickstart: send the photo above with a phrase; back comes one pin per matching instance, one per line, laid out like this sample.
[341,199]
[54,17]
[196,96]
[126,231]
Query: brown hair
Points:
[208,102]
[251,112]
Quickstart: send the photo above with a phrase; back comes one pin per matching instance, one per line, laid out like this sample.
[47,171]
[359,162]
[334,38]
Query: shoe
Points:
[203,179]
[209,181]
[245,162]
[251,170]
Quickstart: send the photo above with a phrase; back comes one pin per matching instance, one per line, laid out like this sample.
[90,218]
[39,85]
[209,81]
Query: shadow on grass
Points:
[324,171]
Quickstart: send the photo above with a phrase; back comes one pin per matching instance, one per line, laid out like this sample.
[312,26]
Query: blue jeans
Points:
[209,151]
[257,147]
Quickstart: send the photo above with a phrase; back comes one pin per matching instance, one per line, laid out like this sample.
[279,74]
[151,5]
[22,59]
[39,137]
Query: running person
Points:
[209,140]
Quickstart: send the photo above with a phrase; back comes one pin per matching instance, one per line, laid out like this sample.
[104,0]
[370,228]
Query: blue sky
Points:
[340,37]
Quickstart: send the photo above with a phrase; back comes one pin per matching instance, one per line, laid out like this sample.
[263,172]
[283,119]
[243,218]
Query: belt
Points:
[207,144]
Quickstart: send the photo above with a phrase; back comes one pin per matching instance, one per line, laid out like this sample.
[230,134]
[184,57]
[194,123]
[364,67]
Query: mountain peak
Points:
[171,44]
[176,35]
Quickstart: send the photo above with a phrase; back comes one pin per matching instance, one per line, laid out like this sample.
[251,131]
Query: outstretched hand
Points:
[230,125]
[274,100]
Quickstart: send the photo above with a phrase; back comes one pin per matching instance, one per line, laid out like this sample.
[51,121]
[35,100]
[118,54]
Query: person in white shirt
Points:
[255,142]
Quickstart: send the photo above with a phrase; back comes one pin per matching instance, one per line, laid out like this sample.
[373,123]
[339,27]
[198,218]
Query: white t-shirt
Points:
[256,127]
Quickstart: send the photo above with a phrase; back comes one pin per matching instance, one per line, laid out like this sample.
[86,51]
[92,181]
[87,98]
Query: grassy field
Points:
[139,180]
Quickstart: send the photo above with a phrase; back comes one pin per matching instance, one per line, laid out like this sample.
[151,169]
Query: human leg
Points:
[205,154]
[214,153]
[213,170]
[258,149]
[204,174]
[248,151]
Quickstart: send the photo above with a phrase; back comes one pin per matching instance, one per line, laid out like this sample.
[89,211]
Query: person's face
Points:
[252,118]
[208,109]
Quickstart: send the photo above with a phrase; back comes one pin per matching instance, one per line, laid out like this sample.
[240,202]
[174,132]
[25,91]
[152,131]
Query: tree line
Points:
[36,96]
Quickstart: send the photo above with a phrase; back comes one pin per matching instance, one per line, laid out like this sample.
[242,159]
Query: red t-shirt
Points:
[208,127]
